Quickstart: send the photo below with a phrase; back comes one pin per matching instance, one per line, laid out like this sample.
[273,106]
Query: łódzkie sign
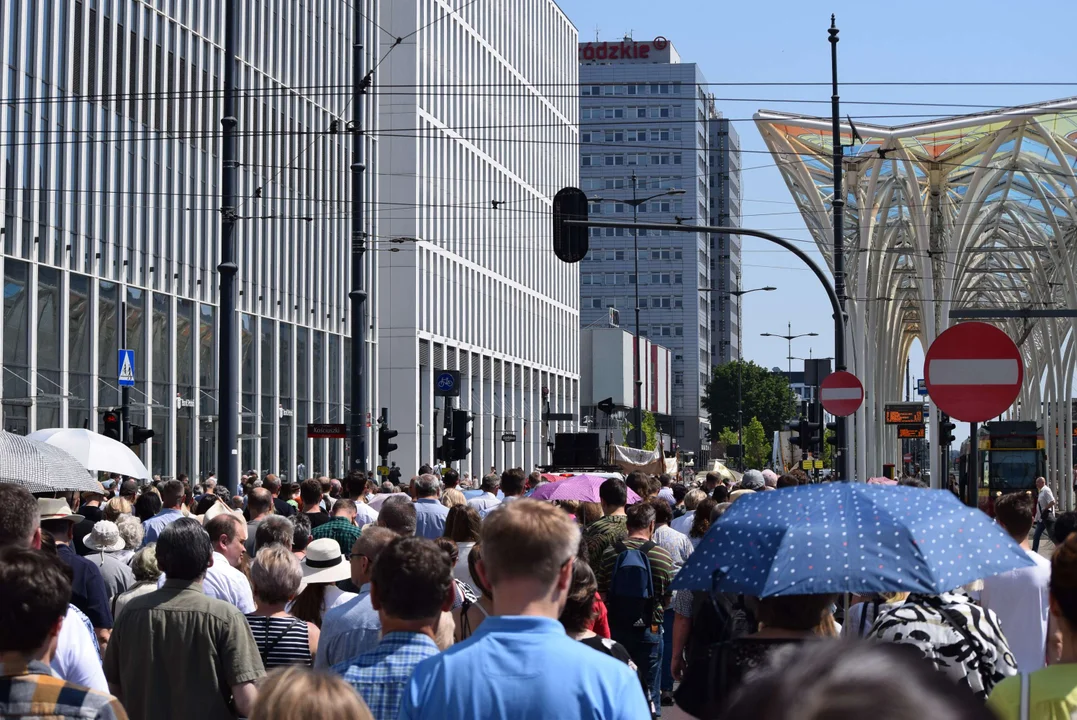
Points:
[650,51]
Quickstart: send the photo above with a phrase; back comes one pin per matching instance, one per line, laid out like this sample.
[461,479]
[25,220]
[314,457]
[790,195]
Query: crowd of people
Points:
[432,599]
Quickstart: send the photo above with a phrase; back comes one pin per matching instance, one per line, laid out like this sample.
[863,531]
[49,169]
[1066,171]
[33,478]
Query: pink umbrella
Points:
[580,487]
[881,481]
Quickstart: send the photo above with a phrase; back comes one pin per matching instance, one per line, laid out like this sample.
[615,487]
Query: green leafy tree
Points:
[650,431]
[756,447]
[828,449]
[727,437]
[766,396]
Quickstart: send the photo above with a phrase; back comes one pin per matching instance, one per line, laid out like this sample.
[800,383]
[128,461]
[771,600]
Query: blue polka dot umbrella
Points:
[848,537]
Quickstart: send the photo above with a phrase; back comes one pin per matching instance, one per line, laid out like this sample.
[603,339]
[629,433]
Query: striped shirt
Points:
[661,573]
[281,640]
[32,691]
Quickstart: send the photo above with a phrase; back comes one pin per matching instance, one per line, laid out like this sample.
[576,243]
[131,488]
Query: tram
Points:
[1011,457]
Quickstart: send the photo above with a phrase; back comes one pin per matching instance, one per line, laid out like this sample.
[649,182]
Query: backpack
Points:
[630,600]
[717,618]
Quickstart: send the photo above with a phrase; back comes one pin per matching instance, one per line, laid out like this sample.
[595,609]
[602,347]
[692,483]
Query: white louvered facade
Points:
[109,182]
[477,109]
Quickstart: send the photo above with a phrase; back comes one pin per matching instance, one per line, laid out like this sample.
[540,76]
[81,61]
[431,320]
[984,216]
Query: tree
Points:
[756,447]
[766,395]
[650,431]
[726,438]
[828,448]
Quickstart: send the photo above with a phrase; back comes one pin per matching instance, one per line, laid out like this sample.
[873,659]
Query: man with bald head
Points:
[430,514]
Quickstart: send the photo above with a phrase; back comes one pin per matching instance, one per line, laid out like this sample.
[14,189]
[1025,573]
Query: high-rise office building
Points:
[649,128]
[477,133]
[725,207]
[110,147]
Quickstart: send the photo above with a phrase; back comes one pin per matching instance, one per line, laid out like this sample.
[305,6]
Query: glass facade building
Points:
[110,181]
[477,135]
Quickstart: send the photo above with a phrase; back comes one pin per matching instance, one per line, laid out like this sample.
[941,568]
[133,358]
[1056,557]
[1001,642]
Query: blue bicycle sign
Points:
[447,383]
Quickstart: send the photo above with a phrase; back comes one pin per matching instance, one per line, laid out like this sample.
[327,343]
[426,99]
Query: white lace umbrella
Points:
[94,451]
[39,467]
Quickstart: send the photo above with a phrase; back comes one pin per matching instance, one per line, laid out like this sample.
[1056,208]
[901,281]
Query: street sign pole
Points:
[972,485]
[837,204]
[125,390]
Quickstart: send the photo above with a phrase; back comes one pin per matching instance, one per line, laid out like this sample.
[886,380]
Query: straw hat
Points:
[98,490]
[217,508]
[105,537]
[56,509]
[325,563]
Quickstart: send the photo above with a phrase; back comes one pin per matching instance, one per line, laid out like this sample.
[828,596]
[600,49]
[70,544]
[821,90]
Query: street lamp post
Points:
[739,293]
[789,337]
[637,362]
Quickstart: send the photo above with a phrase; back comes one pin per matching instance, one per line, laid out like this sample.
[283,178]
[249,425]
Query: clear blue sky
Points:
[767,42]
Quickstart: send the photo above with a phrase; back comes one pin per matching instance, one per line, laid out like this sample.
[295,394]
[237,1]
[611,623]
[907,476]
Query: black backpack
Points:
[630,600]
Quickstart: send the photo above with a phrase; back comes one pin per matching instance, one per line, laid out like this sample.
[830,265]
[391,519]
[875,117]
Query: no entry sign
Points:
[973,371]
[841,393]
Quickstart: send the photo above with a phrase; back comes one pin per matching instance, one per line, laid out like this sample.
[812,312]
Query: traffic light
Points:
[946,430]
[140,435]
[794,433]
[831,433]
[809,435]
[112,425]
[460,420]
[384,436]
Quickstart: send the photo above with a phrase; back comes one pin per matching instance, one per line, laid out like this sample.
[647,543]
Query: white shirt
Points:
[224,582]
[683,524]
[1019,598]
[76,659]
[461,571]
[364,514]
[1046,497]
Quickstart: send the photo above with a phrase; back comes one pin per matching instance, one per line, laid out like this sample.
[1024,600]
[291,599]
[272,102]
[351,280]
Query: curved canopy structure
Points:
[976,211]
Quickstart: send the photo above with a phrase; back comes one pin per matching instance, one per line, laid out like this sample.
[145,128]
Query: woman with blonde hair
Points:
[115,507]
[453,497]
[298,692]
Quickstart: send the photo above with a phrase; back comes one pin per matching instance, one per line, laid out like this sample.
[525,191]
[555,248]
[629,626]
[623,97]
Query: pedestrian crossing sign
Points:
[126,368]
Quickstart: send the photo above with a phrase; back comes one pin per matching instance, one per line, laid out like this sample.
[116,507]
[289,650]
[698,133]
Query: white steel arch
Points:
[969,211]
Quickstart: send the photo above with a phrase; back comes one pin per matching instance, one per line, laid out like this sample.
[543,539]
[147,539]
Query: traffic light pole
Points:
[228,344]
[358,419]
[580,220]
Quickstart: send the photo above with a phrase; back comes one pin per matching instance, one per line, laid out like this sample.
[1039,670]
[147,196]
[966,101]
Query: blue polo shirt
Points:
[523,668]
[430,517]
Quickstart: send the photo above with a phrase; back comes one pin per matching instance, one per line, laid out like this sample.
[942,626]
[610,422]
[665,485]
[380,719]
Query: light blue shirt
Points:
[430,517]
[524,668]
[156,525]
[485,501]
[348,630]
